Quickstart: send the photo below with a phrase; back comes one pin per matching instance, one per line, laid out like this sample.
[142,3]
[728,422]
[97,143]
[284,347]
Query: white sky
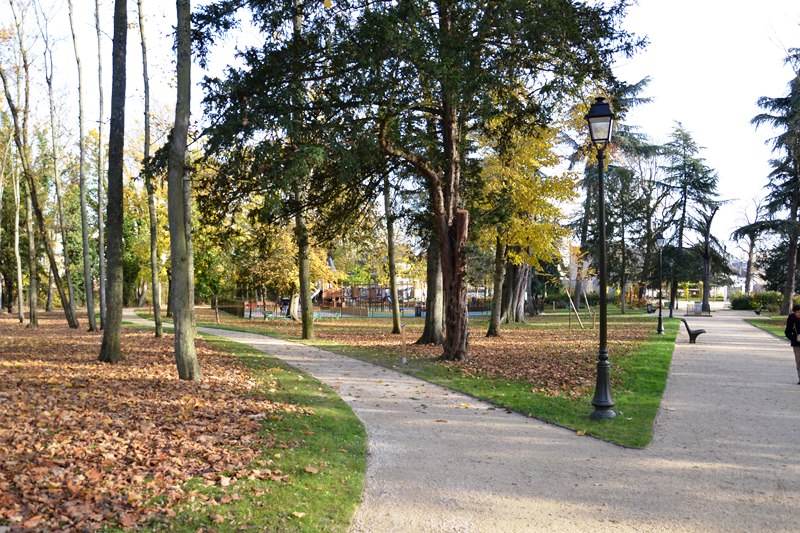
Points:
[709,61]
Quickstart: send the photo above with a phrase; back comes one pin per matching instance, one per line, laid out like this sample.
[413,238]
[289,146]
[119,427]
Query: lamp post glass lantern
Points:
[660,243]
[601,121]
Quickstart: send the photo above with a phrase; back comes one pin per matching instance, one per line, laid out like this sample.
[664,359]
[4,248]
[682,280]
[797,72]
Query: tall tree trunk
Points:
[48,304]
[20,125]
[57,175]
[509,280]
[6,151]
[387,203]
[791,260]
[88,282]
[434,299]
[101,227]
[180,215]
[748,273]
[623,270]
[33,274]
[584,239]
[520,289]
[17,256]
[148,183]
[450,220]
[300,194]
[303,265]
[111,349]
[497,295]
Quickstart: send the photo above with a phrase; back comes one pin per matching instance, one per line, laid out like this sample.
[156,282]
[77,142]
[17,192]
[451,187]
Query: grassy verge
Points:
[315,471]
[638,384]
[638,380]
[772,324]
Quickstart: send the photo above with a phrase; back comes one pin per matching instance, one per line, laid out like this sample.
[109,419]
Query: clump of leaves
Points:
[87,444]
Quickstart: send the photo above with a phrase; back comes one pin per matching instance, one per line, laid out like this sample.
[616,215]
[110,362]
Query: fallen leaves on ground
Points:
[557,359]
[86,443]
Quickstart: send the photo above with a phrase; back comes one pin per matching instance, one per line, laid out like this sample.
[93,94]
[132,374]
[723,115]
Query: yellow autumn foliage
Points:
[528,202]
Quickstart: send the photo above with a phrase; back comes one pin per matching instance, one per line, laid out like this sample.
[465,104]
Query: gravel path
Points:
[724,457]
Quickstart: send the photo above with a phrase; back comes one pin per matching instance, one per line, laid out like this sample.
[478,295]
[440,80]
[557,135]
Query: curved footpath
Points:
[724,457]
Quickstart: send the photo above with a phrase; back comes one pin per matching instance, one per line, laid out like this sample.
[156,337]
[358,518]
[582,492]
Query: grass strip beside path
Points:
[319,467]
[771,324]
[544,369]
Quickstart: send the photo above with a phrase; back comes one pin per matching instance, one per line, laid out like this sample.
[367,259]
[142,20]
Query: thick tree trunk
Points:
[454,270]
[387,203]
[101,227]
[507,290]
[33,274]
[88,282]
[497,296]
[148,183]
[451,222]
[111,350]
[434,299]
[180,215]
[521,281]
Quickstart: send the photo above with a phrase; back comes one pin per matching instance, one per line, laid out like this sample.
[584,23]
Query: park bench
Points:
[693,333]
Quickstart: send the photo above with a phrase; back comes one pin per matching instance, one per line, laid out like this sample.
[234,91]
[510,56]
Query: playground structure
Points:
[354,301]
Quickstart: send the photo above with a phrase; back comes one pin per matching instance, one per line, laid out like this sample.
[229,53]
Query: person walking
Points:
[792,333]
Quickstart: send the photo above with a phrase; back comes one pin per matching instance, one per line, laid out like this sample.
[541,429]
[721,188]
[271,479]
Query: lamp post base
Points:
[602,414]
[603,401]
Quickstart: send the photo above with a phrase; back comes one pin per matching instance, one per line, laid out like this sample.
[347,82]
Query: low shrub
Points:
[768,300]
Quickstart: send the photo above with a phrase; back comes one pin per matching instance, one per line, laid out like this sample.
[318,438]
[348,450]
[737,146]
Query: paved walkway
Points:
[725,455]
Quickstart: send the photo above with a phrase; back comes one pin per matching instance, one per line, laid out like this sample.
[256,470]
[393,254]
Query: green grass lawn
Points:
[772,324]
[638,380]
[317,472]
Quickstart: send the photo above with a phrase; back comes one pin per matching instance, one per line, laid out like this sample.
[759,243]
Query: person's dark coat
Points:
[792,329]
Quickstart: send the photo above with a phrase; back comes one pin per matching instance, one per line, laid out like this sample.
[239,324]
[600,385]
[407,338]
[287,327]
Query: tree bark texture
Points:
[180,215]
[148,183]
[497,294]
[88,282]
[451,222]
[521,282]
[57,178]
[6,151]
[387,203]
[111,349]
[303,266]
[17,256]
[33,274]
[434,299]
[101,227]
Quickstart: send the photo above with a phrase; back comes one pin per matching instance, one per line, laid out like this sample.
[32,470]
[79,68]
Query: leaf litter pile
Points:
[85,444]
[555,358]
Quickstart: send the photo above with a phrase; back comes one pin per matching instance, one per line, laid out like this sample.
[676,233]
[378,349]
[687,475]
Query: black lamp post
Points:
[660,243]
[600,121]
